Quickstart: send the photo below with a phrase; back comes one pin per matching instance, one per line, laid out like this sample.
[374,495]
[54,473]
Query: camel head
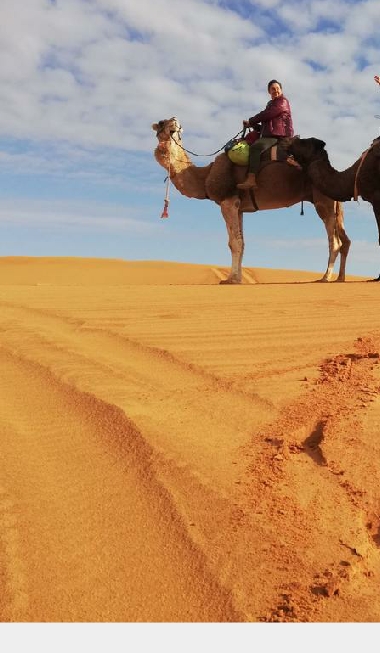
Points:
[166,129]
[306,150]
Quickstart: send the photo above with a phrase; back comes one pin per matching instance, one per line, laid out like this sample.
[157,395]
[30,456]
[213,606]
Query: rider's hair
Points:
[274,81]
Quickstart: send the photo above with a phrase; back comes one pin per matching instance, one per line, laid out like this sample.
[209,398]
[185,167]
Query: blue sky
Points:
[82,81]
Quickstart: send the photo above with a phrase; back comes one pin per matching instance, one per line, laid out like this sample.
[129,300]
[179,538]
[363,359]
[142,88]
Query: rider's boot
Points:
[250,182]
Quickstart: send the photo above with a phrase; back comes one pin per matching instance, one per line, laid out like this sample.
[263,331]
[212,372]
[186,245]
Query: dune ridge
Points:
[124,526]
[94,271]
[187,452]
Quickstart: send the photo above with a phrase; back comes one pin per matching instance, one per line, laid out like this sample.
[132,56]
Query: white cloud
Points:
[266,4]
[96,73]
[91,216]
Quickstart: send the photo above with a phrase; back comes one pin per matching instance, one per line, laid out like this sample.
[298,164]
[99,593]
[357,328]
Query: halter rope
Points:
[356,187]
[165,213]
[212,153]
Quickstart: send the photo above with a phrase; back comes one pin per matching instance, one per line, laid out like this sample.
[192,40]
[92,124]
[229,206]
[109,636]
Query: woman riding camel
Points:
[275,123]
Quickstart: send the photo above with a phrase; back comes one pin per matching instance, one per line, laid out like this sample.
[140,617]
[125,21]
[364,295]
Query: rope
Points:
[165,212]
[242,132]
[356,188]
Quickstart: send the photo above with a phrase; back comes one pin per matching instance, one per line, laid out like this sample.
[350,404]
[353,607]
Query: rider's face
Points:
[275,91]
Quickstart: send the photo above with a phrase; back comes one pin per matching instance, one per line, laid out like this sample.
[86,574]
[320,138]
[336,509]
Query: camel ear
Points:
[155,126]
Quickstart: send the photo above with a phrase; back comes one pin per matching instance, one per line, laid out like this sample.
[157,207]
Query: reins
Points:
[165,212]
[240,133]
[356,187]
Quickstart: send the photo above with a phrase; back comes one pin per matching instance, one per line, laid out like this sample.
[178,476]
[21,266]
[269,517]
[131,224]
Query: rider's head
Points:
[274,88]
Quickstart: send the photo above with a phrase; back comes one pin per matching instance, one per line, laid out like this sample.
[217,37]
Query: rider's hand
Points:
[377,79]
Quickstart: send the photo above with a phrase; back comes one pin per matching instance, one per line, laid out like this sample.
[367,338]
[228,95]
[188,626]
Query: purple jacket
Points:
[276,119]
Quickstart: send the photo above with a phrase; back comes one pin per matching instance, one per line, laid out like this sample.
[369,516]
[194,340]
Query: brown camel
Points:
[280,185]
[361,179]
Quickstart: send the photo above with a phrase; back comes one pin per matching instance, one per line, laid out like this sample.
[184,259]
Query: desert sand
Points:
[175,450]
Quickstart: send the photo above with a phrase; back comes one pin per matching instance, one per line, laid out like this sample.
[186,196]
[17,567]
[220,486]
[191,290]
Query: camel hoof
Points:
[323,280]
[229,282]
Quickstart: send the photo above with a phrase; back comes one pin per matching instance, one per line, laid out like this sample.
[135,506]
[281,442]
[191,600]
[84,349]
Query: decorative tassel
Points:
[165,213]
[302,213]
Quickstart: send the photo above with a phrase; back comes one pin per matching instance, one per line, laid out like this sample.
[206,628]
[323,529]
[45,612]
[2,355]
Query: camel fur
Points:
[362,178]
[280,186]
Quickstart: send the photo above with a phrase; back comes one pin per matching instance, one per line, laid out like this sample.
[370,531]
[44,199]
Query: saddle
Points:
[276,153]
[279,152]
[237,150]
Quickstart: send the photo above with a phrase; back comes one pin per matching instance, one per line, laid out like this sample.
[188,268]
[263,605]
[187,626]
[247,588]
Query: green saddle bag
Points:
[238,153]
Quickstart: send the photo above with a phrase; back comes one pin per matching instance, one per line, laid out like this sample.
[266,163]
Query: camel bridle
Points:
[179,130]
[212,153]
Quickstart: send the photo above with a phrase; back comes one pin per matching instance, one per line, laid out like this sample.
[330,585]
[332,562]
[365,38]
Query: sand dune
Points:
[73,271]
[175,450]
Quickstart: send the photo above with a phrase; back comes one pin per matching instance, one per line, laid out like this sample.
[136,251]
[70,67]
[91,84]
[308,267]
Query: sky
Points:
[82,81]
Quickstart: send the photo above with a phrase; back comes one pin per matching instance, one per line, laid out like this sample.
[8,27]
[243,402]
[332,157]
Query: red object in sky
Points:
[165,213]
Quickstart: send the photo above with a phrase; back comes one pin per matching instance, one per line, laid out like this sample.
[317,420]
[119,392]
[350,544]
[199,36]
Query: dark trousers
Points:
[255,151]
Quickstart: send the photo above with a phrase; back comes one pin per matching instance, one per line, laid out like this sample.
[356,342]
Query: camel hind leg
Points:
[344,239]
[331,214]
[234,221]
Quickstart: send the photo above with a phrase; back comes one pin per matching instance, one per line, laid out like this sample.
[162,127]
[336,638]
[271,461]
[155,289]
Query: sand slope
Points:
[176,450]
[115,272]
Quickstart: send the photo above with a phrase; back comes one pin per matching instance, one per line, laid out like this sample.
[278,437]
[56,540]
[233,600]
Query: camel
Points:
[280,185]
[362,178]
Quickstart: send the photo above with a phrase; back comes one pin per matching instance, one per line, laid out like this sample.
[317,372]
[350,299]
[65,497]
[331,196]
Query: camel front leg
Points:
[376,208]
[375,201]
[338,242]
[234,222]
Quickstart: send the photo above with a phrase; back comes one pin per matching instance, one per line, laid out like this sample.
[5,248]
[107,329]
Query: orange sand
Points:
[175,450]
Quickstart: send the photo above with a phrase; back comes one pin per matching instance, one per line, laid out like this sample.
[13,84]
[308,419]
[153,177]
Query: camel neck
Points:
[188,179]
[336,184]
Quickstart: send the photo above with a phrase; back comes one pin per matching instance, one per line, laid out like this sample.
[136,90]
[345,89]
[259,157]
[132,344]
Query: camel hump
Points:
[375,147]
